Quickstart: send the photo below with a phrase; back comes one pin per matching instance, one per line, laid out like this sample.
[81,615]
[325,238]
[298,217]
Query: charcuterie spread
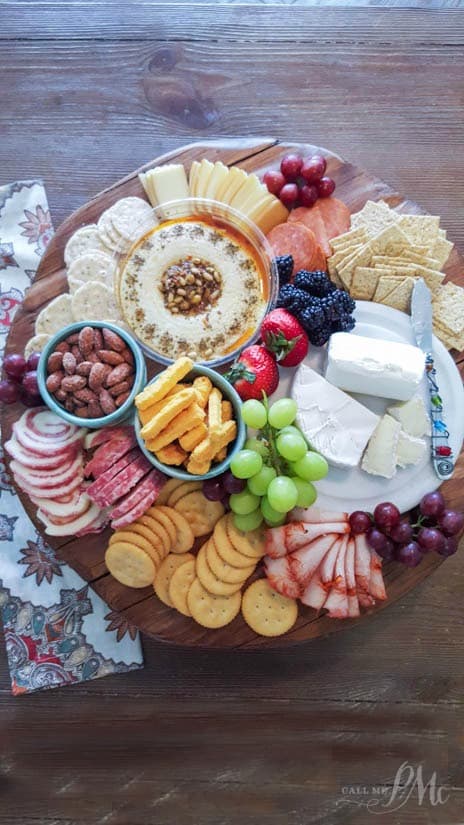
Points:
[244,390]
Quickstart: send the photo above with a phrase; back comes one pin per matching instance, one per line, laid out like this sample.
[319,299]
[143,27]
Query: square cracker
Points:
[432,277]
[353,236]
[400,297]
[374,216]
[448,309]
[390,241]
[364,283]
[421,230]
[361,257]
[441,250]
[385,285]
[450,341]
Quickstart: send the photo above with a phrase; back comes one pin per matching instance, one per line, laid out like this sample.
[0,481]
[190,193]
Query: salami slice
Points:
[109,453]
[145,493]
[122,483]
[112,471]
[327,219]
[293,239]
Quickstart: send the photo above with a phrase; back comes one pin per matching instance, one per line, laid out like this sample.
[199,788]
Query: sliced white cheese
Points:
[380,458]
[231,185]
[146,179]
[335,425]
[170,182]
[412,416]
[270,214]
[248,194]
[219,174]
[193,178]
[204,173]
[410,450]
[374,366]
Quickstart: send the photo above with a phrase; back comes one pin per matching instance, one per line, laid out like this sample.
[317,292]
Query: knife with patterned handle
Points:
[421,320]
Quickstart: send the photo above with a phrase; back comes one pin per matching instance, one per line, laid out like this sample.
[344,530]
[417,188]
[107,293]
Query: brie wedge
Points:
[412,416]
[410,450]
[335,425]
[374,366]
[380,458]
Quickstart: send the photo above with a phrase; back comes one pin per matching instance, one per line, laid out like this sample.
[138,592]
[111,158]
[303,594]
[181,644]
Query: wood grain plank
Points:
[148,21]
[388,113]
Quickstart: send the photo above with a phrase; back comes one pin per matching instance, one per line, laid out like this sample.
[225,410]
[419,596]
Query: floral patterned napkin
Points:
[57,630]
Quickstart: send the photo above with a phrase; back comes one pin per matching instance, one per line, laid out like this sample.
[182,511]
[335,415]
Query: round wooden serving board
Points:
[86,555]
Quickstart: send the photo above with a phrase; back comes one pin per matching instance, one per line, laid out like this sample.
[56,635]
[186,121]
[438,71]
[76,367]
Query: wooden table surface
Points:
[89,91]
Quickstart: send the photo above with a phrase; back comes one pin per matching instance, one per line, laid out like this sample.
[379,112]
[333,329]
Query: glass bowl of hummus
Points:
[197,280]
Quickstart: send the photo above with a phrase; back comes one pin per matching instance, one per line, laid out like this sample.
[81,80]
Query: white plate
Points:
[354,489]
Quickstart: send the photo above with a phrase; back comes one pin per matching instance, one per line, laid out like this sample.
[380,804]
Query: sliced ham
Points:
[98,437]
[376,582]
[122,483]
[336,602]
[305,561]
[292,536]
[350,578]
[145,493]
[280,577]
[313,515]
[362,569]
[316,591]
[109,453]
[112,471]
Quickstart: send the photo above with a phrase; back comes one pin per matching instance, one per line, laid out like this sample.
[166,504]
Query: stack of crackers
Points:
[185,423]
[382,255]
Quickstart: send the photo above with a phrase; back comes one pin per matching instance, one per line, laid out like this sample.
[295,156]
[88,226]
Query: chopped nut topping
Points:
[191,286]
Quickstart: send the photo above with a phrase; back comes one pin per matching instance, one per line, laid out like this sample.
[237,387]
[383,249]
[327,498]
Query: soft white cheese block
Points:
[335,425]
[380,458]
[410,450]
[374,366]
[412,416]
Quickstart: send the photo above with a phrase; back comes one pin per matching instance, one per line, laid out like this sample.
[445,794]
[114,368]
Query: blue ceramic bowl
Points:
[229,394]
[118,415]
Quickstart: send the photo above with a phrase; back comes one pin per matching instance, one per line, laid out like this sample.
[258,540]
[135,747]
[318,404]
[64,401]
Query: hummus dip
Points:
[191,287]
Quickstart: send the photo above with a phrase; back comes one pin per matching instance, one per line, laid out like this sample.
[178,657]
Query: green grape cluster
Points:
[277,464]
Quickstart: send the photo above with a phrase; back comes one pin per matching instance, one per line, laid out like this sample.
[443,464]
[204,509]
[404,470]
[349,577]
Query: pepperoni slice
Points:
[328,218]
[293,239]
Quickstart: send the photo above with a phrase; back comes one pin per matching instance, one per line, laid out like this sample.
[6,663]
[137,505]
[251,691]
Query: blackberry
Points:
[319,337]
[345,324]
[345,301]
[292,298]
[312,318]
[331,308]
[284,264]
[316,283]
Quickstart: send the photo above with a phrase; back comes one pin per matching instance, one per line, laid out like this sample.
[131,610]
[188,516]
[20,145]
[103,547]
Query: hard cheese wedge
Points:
[410,450]
[336,425]
[380,458]
[374,366]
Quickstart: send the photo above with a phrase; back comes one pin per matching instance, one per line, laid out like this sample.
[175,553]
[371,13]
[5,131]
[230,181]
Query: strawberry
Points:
[254,372]
[284,336]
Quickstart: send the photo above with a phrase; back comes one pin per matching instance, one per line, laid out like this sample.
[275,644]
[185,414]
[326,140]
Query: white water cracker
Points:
[106,231]
[56,315]
[93,302]
[127,214]
[86,239]
[36,344]
[93,266]
[74,284]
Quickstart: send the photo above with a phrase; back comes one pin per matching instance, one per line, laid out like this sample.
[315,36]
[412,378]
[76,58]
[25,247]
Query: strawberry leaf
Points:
[239,371]
[279,344]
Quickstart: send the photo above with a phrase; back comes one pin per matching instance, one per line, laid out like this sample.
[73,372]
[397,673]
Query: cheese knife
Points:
[421,320]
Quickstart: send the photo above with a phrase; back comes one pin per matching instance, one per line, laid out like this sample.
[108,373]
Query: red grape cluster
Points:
[300,181]
[21,381]
[221,487]
[433,528]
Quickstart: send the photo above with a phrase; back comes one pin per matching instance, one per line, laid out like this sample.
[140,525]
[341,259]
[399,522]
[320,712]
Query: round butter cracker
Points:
[226,549]
[167,489]
[223,570]
[266,611]
[210,582]
[179,586]
[129,564]
[209,610]
[200,513]
[183,490]
[165,572]
[250,544]
[159,513]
